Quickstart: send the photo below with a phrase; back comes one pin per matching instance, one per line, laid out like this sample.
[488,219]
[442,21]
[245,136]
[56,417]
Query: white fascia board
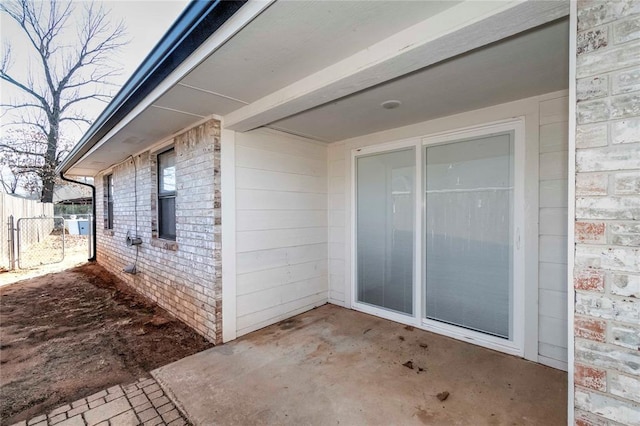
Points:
[239,20]
[457,30]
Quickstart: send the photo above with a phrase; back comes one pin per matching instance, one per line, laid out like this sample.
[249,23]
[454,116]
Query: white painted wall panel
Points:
[259,159]
[553,221]
[278,238]
[255,220]
[553,193]
[261,318]
[337,167]
[251,199]
[552,330]
[337,251]
[554,110]
[552,321]
[551,249]
[551,305]
[283,144]
[269,279]
[265,259]
[268,180]
[337,266]
[337,202]
[553,136]
[553,165]
[550,354]
[275,296]
[553,276]
[281,227]
[336,216]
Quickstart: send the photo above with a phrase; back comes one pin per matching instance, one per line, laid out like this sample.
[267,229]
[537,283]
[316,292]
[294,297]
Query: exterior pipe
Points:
[94,244]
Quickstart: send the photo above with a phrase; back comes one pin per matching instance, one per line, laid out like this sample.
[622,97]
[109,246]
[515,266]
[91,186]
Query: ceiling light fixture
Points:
[392,104]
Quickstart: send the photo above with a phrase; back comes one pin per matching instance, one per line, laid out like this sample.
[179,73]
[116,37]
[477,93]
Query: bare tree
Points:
[23,159]
[8,179]
[64,76]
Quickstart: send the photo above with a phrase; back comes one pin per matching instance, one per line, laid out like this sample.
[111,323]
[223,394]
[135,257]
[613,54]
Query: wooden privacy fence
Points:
[18,208]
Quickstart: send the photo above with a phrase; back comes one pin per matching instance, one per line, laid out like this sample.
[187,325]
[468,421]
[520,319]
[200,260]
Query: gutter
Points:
[94,232]
[198,21]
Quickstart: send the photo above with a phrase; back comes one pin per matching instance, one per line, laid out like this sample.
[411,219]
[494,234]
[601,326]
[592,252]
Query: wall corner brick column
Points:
[607,206]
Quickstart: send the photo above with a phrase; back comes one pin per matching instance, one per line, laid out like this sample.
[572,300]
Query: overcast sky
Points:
[145,20]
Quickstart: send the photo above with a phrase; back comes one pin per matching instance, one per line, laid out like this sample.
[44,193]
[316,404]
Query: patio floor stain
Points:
[326,370]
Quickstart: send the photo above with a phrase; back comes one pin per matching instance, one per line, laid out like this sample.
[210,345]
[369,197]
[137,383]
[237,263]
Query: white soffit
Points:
[284,44]
[529,64]
[457,30]
[292,39]
[197,101]
[149,127]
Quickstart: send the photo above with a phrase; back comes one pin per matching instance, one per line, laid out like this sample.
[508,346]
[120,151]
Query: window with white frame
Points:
[167,194]
[108,201]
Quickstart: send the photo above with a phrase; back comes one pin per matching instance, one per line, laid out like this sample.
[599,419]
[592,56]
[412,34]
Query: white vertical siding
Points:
[281,227]
[552,321]
[336,219]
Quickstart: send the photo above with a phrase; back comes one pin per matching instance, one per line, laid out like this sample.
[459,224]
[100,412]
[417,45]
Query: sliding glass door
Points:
[469,233]
[385,198]
[436,234]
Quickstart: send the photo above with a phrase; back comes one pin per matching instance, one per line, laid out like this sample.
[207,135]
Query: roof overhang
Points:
[282,64]
[187,33]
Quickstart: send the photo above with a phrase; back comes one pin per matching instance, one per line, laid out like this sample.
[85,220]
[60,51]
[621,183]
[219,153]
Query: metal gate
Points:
[41,241]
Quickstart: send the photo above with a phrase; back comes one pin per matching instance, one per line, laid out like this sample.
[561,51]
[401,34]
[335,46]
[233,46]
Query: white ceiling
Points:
[513,69]
[292,39]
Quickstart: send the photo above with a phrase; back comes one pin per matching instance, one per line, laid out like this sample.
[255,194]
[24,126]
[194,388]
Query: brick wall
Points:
[184,276]
[607,228]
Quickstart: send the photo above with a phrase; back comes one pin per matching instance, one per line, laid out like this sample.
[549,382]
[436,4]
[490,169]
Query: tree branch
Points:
[63,78]
[19,106]
[75,100]
[18,151]
[6,77]
[81,119]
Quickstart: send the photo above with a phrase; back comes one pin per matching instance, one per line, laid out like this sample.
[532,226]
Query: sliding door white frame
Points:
[515,345]
[417,226]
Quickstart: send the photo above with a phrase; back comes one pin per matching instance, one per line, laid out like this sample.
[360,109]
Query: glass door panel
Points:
[385,213]
[468,234]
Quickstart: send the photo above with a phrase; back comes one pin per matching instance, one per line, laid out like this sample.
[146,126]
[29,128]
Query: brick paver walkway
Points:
[140,403]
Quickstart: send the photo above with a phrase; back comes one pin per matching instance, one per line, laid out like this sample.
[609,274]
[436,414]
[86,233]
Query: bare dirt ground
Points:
[67,335]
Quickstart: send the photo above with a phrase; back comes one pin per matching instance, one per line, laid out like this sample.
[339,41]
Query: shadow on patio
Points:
[337,366]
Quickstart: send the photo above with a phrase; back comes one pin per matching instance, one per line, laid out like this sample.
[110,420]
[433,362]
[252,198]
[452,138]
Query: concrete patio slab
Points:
[337,366]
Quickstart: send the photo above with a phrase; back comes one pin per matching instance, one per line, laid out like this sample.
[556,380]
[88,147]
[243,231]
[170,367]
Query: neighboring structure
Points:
[70,199]
[420,170]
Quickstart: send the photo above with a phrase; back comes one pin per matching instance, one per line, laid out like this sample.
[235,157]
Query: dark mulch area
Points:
[67,335]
